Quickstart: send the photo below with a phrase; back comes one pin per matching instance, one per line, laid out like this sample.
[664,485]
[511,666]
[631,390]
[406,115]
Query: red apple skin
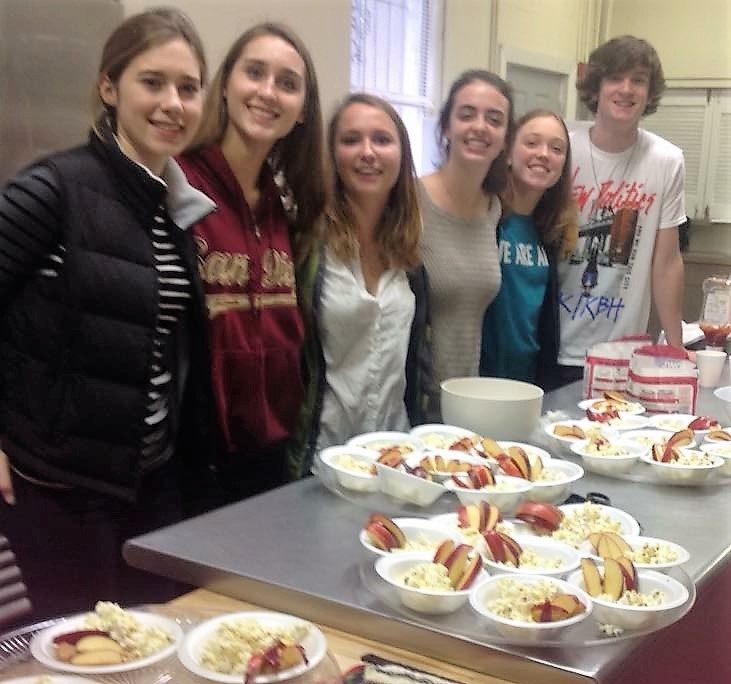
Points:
[544,515]
[495,545]
[491,515]
[444,550]
[508,466]
[472,569]
[461,483]
[457,562]
[391,526]
[74,637]
[380,537]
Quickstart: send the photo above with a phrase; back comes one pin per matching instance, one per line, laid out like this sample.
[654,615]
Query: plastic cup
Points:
[711,364]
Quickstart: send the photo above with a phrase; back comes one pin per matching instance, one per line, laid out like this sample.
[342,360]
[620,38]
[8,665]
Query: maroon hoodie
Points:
[255,328]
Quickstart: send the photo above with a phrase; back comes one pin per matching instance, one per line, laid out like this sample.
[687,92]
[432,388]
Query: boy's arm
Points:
[667,284]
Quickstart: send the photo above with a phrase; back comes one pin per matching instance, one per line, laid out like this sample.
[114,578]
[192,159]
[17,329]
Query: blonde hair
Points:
[399,231]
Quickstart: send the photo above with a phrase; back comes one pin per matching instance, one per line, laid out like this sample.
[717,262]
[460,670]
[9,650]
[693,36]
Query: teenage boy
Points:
[628,184]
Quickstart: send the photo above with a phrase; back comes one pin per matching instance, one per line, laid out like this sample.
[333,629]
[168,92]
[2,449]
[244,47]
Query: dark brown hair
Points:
[399,231]
[617,56]
[135,35]
[297,159]
[496,176]
[556,199]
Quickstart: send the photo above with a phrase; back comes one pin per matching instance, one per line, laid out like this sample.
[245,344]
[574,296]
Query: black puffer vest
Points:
[76,351]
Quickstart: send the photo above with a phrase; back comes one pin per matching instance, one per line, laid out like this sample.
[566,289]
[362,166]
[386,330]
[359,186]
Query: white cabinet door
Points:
[718,196]
[684,118]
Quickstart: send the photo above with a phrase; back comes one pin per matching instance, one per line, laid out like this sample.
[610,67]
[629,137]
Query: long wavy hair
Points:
[554,209]
[135,35]
[297,159]
[496,176]
[399,231]
[617,56]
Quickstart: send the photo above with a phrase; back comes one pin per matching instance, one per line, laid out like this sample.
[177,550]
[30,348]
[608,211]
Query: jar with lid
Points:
[715,318]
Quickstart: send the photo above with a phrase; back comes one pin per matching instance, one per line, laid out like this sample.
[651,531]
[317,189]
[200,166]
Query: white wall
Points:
[323,25]
[692,37]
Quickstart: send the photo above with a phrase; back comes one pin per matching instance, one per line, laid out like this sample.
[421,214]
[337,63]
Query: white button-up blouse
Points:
[365,339]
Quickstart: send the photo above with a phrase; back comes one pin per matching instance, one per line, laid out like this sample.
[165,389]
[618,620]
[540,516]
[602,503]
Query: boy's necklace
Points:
[611,174]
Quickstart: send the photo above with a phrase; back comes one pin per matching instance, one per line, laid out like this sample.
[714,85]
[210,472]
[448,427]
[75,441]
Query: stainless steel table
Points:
[296,549]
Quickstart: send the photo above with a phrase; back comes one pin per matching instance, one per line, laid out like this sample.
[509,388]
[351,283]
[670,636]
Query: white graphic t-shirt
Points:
[624,199]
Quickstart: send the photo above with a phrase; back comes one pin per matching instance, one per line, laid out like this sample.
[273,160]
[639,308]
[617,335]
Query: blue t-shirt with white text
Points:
[510,326]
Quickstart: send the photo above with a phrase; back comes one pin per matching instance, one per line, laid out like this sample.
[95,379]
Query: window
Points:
[698,120]
[395,54]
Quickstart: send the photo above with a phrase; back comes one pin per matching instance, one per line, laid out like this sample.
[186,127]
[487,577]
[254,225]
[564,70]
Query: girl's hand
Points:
[6,482]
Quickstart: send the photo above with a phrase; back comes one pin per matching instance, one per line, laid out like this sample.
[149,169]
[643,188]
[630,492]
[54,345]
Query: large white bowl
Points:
[684,474]
[505,499]
[637,542]
[542,546]
[636,617]
[393,567]
[42,647]
[356,480]
[722,450]
[417,530]
[406,487]
[724,394]
[313,643]
[614,464]
[436,436]
[489,590]
[555,491]
[494,407]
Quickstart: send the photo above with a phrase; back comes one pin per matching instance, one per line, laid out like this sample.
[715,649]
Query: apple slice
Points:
[509,466]
[95,642]
[572,431]
[614,582]
[513,550]
[570,603]
[681,438]
[536,469]
[92,658]
[471,571]
[629,572]
[64,651]
[704,423]
[491,448]
[444,551]
[547,611]
[661,454]
[490,515]
[461,482]
[720,435]
[456,563]
[394,530]
[480,476]
[521,460]
[544,516]
[391,457]
[464,444]
[597,417]
[379,536]
[468,516]
[621,543]
[612,395]
[73,637]
[593,538]
[428,462]
[592,579]
[494,545]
